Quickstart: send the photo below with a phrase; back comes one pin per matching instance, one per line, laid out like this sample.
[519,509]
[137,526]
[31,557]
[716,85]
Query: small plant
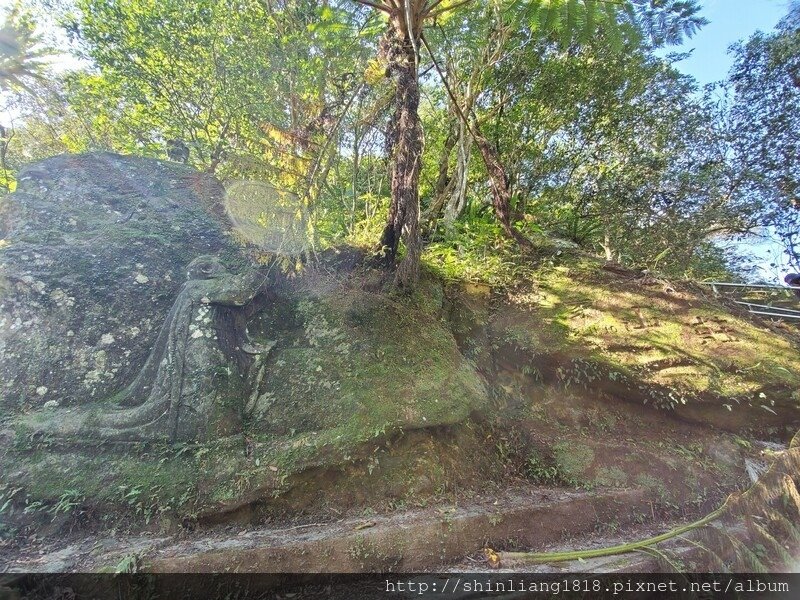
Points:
[68,502]
[372,464]
[611,477]
[130,563]
[7,498]
[572,461]
[448,515]
[540,471]
[362,550]
[143,505]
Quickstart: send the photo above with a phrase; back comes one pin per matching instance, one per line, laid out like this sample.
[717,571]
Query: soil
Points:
[528,421]
[667,472]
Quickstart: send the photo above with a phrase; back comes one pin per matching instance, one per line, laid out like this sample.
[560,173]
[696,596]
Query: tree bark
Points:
[458,194]
[501,192]
[403,221]
[444,183]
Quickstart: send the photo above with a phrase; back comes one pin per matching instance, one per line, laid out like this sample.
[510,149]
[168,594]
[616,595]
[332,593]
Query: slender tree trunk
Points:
[356,162]
[444,183]
[607,249]
[443,176]
[458,194]
[5,140]
[403,221]
[501,193]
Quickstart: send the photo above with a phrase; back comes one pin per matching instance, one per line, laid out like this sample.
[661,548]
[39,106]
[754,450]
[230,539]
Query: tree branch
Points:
[432,14]
[447,87]
[376,5]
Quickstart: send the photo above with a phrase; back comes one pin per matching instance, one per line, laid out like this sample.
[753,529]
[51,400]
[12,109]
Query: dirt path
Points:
[416,540]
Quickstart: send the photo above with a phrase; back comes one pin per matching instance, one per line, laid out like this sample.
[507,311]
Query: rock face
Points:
[128,316]
[192,385]
[93,253]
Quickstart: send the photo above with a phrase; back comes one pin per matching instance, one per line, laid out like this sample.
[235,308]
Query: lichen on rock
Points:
[77,234]
[191,385]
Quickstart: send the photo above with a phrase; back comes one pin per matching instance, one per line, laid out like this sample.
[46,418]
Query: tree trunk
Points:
[5,140]
[501,193]
[458,193]
[403,221]
[444,183]
[606,246]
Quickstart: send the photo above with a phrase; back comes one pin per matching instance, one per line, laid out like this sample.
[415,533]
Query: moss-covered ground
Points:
[574,377]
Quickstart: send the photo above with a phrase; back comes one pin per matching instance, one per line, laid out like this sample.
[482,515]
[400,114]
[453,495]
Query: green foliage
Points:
[129,563]
[570,21]
[572,461]
[66,503]
[761,126]
[603,143]
[541,471]
[474,250]
[22,53]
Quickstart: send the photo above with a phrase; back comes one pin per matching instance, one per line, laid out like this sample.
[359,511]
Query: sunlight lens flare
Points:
[272,219]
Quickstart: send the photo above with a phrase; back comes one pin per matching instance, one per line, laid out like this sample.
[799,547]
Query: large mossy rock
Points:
[93,251]
[96,308]
[572,377]
[357,386]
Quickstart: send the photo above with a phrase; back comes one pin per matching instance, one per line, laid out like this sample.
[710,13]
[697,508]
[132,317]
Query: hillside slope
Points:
[597,400]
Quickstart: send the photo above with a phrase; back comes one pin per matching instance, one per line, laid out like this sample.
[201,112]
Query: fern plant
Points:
[662,22]
[22,53]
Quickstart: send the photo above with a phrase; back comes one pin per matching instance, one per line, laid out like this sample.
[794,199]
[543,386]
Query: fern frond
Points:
[22,53]
[571,15]
[664,23]
[590,20]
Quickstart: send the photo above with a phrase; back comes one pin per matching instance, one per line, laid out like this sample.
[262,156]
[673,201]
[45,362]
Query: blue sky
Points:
[731,20]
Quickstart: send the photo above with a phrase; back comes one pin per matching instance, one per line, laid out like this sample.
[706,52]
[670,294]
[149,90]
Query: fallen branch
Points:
[496,558]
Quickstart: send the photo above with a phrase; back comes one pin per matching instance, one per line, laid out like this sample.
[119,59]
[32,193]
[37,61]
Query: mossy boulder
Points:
[350,372]
[93,253]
